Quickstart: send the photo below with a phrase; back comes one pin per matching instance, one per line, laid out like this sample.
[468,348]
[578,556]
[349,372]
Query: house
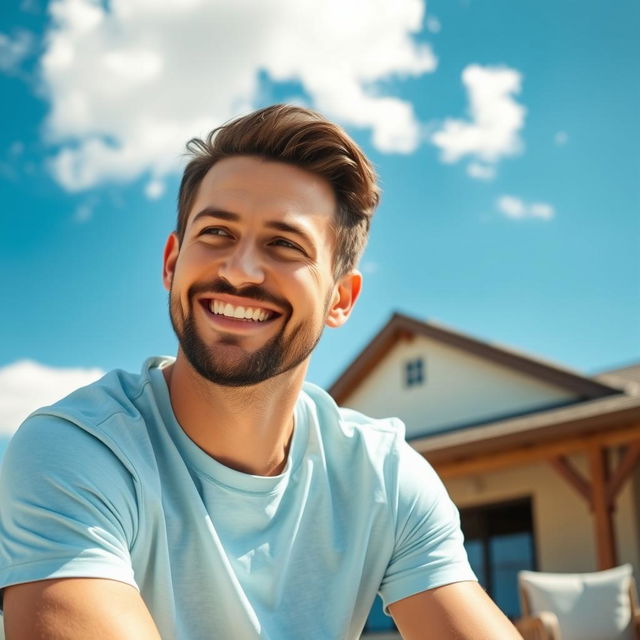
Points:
[542,462]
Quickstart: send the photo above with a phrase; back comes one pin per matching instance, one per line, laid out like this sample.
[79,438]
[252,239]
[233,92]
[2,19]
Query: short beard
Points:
[277,356]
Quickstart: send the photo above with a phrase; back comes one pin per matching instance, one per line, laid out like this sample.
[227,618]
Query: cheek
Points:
[193,266]
[183,278]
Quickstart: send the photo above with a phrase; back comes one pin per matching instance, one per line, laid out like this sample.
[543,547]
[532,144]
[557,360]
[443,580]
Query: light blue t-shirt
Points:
[105,483]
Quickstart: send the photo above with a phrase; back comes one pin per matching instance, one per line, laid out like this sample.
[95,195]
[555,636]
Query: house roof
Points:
[576,420]
[402,327]
[607,401]
[627,378]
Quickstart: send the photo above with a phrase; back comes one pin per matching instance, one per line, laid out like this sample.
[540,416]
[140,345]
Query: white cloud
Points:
[433,24]
[85,209]
[541,210]
[14,49]
[561,138]
[131,80]
[154,189]
[492,132]
[83,212]
[25,386]
[517,209]
[481,171]
[369,267]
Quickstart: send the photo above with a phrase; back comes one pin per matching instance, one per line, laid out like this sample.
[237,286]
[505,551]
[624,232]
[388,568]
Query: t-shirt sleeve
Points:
[429,550]
[67,506]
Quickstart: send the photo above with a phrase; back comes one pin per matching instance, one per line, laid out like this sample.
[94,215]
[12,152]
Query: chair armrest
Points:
[543,626]
[635,623]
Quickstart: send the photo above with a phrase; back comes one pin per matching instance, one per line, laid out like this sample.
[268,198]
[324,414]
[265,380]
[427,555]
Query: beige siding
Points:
[626,525]
[563,526]
[459,388]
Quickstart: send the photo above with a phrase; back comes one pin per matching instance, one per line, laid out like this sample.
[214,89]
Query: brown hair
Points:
[303,138]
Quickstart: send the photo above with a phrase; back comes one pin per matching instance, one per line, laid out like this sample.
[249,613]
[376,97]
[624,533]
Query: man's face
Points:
[251,285]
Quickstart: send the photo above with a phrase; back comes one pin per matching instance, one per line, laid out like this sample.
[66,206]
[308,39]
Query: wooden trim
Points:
[600,493]
[572,476]
[400,324]
[537,453]
[602,507]
[364,363]
[623,470]
[577,421]
[613,485]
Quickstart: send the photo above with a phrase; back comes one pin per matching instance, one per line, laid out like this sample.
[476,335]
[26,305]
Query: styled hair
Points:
[302,138]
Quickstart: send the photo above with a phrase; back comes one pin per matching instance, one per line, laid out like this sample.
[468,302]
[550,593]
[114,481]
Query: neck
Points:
[246,428]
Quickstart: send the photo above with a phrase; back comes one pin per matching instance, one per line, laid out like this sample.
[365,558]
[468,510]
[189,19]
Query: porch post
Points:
[602,508]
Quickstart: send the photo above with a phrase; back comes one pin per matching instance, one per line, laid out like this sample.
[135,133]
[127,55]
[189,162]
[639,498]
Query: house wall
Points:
[459,388]
[626,524]
[635,498]
[563,526]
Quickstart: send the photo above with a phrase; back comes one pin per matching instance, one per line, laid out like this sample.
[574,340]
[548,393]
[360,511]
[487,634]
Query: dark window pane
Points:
[475,551]
[414,372]
[378,620]
[499,542]
[509,554]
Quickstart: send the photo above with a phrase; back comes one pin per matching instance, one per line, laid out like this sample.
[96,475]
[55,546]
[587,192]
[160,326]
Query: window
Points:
[414,372]
[499,542]
[378,620]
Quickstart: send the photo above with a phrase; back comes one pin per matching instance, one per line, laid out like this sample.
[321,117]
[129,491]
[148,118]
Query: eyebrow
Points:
[278,225]
[211,212]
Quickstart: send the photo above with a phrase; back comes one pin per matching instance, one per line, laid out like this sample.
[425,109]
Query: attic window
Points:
[414,372]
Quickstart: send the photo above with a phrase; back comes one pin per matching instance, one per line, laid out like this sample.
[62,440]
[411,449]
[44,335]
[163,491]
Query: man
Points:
[216,495]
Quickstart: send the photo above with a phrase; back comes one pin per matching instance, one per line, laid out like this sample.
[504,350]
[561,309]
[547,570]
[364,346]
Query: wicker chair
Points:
[579,606]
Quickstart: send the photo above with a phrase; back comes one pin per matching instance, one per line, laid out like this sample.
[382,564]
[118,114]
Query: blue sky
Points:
[505,133]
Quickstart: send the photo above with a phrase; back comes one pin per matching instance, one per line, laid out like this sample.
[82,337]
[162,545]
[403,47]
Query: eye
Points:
[215,231]
[287,244]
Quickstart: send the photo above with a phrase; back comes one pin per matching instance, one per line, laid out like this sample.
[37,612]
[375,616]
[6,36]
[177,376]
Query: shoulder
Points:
[347,424]
[408,476]
[52,456]
[90,452]
[108,415]
[117,392]
[354,443]
[375,451]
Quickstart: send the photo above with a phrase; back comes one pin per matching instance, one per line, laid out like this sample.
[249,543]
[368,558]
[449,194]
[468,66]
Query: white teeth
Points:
[243,313]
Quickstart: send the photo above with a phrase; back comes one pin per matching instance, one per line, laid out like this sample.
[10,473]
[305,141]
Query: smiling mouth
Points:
[237,312]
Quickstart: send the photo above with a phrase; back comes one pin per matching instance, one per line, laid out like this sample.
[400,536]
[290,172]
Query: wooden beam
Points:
[572,476]
[492,461]
[602,507]
[623,471]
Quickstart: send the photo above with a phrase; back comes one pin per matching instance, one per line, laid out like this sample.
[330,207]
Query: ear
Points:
[170,257]
[345,294]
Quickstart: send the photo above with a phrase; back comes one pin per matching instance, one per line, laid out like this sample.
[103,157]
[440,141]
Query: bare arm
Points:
[76,609]
[459,611]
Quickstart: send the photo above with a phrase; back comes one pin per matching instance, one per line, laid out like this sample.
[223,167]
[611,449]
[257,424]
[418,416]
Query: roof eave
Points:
[575,420]
[401,326]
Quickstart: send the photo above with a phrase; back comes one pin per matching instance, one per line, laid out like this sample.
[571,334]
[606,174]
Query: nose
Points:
[242,266]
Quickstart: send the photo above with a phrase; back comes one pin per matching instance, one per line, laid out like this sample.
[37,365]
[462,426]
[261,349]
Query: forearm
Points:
[459,611]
